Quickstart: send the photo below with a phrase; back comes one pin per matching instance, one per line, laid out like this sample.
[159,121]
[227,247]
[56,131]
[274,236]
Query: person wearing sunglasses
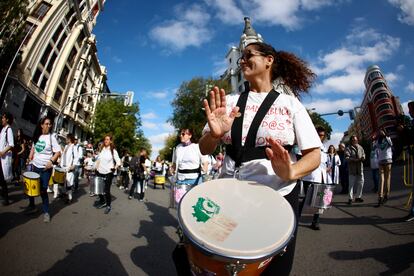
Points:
[188,163]
[259,148]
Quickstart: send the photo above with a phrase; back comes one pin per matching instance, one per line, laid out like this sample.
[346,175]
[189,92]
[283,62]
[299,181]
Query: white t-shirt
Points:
[89,164]
[319,174]
[188,158]
[286,121]
[6,139]
[44,150]
[69,156]
[105,161]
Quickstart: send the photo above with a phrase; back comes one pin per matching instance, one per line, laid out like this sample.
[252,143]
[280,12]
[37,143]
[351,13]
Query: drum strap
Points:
[249,151]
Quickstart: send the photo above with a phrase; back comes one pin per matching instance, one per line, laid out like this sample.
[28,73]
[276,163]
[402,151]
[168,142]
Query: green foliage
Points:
[13,15]
[317,120]
[123,122]
[187,105]
[170,143]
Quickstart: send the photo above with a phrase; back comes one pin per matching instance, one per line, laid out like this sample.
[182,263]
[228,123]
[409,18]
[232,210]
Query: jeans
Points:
[76,176]
[135,180]
[107,189]
[44,182]
[194,181]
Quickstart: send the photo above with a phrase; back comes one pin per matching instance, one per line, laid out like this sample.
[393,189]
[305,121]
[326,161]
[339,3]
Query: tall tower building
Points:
[58,64]
[379,107]
[233,72]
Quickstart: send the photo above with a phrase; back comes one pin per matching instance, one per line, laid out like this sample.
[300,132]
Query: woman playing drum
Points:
[258,148]
[44,153]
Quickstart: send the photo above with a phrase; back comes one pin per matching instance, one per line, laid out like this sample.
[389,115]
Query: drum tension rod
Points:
[234,269]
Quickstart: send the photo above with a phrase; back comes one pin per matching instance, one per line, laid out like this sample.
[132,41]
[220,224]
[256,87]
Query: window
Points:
[28,30]
[64,77]
[383,107]
[51,62]
[376,86]
[81,37]
[45,55]
[62,39]
[58,95]
[380,96]
[57,33]
[36,76]
[31,110]
[41,10]
[43,83]
[72,56]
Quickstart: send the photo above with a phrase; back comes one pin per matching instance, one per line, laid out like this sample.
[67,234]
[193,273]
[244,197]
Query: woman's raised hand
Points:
[280,159]
[217,118]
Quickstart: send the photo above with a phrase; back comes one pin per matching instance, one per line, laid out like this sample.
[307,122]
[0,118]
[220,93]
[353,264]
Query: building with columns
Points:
[58,65]
[233,73]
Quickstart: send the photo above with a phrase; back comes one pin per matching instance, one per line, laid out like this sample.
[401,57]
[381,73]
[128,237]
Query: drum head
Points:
[236,219]
[31,175]
[58,169]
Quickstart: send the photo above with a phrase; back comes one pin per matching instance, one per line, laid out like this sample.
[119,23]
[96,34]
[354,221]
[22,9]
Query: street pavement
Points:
[137,238]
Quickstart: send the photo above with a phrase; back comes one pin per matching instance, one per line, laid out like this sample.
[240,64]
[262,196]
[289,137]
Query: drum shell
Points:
[31,184]
[159,179]
[59,176]
[321,195]
[99,184]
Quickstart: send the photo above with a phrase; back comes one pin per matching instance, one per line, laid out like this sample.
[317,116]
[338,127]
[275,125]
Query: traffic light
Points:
[351,114]
[340,112]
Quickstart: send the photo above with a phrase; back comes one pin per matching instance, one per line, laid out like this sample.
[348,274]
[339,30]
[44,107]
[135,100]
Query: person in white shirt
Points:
[78,164]
[275,78]
[6,146]
[67,162]
[44,153]
[316,176]
[89,167]
[332,166]
[384,146]
[107,163]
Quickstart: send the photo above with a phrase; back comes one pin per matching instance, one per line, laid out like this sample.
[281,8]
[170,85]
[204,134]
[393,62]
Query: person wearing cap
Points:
[275,81]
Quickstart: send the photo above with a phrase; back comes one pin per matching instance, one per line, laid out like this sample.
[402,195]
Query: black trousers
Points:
[107,189]
[135,180]
[3,183]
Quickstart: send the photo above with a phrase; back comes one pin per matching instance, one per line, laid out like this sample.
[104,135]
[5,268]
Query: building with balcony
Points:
[58,65]
[379,107]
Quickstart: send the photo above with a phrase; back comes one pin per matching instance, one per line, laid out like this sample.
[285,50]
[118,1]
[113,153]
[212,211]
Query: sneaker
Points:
[46,217]
[360,200]
[107,210]
[315,226]
[409,218]
[349,201]
[102,206]
[141,199]
[385,199]
[129,197]
[121,187]
[91,194]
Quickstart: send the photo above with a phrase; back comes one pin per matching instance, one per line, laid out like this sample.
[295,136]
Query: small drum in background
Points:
[233,227]
[99,184]
[59,175]
[321,195]
[31,182]
[160,180]
[177,192]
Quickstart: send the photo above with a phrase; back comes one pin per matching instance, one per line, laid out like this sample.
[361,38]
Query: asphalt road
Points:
[137,238]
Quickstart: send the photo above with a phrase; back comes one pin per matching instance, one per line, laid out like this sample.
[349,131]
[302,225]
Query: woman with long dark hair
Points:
[43,154]
[107,163]
[259,149]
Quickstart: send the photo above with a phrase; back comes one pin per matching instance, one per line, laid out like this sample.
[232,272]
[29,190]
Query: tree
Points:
[317,120]
[123,122]
[170,143]
[187,105]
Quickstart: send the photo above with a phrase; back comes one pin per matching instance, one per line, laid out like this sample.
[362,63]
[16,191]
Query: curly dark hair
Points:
[293,70]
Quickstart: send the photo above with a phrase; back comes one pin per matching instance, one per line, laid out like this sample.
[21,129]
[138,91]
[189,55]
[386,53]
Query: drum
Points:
[59,175]
[99,184]
[159,179]
[234,227]
[321,195]
[31,182]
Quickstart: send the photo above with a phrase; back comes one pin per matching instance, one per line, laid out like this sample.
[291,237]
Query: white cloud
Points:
[189,29]
[227,11]
[117,59]
[407,10]
[350,82]
[335,139]
[219,67]
[410,87]
[158,95]
[149,115]
[149,125]
[400,67]
[327,106]
[158,139]
[391,78]
[405,108]
[316,4]
[168,127]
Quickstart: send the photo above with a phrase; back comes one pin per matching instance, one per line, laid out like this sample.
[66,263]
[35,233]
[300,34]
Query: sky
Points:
[152,47]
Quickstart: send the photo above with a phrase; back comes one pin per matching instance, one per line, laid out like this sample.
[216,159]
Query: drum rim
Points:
[230,258]
[34,177]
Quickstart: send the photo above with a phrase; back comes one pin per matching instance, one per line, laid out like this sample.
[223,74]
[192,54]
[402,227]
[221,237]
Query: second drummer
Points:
[260,126]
